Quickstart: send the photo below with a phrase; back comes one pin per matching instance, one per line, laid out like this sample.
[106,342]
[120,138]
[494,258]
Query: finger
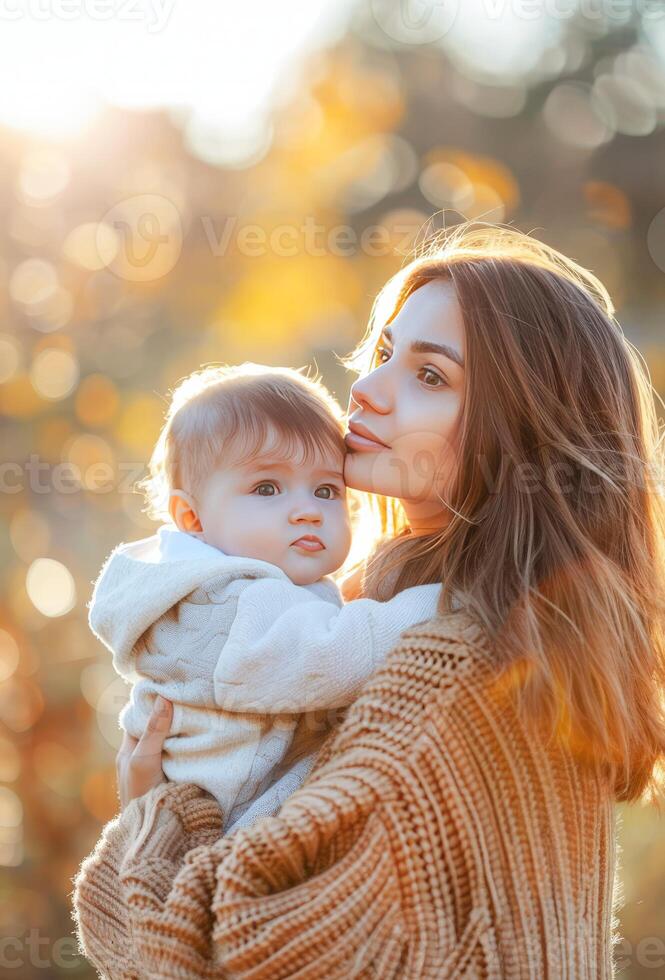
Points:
[128,744]
[159,723]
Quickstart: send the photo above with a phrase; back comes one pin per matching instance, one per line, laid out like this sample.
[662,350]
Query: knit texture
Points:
[436,837]
[241,652]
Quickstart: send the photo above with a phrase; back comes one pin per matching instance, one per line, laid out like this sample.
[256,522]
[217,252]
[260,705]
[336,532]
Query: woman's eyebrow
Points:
[429,347]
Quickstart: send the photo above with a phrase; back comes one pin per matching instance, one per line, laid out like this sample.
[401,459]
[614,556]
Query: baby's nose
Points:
[307,512]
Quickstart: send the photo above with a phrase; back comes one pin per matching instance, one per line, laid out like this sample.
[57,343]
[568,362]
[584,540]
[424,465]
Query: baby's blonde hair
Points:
[224,414]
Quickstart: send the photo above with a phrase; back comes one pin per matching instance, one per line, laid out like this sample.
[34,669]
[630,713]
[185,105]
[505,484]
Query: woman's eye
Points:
[332,492]
[438,380]
[382,354]
[260,485]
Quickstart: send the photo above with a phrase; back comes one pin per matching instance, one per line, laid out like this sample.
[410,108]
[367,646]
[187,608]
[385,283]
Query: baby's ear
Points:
[183,511]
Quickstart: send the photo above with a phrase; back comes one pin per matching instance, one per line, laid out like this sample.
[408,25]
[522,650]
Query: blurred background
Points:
[187,182]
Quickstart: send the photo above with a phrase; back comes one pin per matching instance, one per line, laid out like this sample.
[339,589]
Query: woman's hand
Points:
[138,763]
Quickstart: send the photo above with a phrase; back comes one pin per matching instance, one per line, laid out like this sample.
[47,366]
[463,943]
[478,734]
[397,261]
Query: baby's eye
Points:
[258,488]
[332,491]
[379,352]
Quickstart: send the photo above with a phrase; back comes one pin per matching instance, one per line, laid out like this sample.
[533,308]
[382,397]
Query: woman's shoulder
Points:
[458,625]
[430,664]
[453,640]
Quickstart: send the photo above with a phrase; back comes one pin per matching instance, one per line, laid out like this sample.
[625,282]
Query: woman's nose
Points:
[366,393]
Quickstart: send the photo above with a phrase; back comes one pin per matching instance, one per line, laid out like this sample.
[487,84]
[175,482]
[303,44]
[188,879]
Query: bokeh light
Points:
[43,175]
[97,401]
[57,767]
[9,655]
[33,283]
[50,586]
[10,761]
[92,246]
[11,833]
[227,192]
[10,357]
[575,117]
[54,373]
[30,534]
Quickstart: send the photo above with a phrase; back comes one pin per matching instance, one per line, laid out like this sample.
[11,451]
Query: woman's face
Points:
[410,402]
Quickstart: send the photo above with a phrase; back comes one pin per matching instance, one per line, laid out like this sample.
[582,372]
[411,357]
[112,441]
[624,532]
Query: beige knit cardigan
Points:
[434,839]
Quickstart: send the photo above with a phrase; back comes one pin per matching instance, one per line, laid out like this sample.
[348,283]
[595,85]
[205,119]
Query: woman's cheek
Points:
[417,463]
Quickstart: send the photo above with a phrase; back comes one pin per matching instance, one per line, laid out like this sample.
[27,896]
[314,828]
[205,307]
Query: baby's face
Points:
[262,508]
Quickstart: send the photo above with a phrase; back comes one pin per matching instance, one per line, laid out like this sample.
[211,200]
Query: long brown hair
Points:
[556,537]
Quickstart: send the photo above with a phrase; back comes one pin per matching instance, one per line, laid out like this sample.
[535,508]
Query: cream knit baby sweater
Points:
[436,838]
[249,660]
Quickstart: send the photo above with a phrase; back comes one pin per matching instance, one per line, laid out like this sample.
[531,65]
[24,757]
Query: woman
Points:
[460,820]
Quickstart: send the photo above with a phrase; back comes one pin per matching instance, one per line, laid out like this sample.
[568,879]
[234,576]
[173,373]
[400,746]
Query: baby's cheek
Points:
[234,529]
[255,540]
[343,536]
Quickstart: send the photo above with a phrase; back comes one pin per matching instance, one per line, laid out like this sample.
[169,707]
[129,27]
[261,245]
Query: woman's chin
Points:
[356,475]
[361,472]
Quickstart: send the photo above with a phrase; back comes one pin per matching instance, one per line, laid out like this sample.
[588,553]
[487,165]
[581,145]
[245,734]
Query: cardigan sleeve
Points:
[164,896]
[174,821]
[318,890]
[289,651]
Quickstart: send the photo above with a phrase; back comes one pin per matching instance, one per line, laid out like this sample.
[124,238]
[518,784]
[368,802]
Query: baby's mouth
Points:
[308,542]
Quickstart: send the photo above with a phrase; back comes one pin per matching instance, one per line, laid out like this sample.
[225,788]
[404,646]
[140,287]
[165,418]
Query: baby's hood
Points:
[141,580]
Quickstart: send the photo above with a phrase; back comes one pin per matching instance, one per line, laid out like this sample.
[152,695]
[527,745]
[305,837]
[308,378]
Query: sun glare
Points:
[61,63]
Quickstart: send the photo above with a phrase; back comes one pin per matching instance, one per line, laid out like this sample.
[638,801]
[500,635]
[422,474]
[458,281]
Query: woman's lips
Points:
[362,438]
[361,443]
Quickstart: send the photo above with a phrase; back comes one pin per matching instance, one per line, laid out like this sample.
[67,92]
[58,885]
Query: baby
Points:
[230,610]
